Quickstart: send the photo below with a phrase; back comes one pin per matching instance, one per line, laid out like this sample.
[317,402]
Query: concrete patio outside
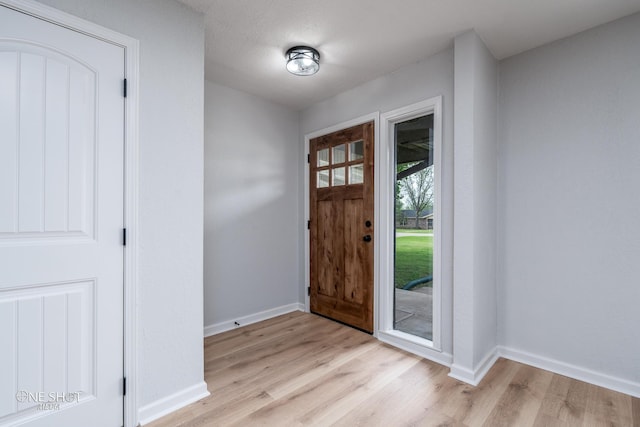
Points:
[414,312]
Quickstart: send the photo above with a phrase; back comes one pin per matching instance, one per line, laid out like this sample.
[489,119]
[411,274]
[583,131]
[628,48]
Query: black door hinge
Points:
[308,290]
[308,158]
[124,386]
[309,225]
[125,88]
[124,237]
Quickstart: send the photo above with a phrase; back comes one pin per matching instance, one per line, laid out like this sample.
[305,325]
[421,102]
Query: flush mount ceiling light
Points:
[303,60]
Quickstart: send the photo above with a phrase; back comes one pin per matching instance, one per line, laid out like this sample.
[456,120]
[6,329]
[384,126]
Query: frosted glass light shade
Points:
[303,60]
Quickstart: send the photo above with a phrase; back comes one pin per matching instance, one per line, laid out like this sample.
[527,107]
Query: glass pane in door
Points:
[338,155]
[414,222]
[356,174]
[338,176]
[323,157]
[356,150]
[322,180]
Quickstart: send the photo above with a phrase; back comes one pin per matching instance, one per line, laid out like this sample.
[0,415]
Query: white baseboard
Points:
[571,371]
[474,377]
[228,325]
[166,405]
[462,374]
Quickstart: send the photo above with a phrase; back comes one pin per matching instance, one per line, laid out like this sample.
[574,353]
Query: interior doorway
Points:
[82,39]
[61,250]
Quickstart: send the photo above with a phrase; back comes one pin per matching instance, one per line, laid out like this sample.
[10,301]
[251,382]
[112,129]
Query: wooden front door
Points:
[341,228]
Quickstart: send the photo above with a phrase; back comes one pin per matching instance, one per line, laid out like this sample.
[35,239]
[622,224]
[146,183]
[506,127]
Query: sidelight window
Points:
[414,204]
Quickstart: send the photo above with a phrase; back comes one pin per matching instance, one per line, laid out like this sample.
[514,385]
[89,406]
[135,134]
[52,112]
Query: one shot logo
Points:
[47,401]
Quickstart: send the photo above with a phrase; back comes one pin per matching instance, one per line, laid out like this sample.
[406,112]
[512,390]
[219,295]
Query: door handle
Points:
[367,238]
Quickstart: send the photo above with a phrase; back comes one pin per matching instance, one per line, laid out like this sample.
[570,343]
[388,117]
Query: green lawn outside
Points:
[414,259]
[413,231]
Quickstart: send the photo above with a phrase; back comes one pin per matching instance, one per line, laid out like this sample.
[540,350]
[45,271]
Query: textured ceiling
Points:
[360,40]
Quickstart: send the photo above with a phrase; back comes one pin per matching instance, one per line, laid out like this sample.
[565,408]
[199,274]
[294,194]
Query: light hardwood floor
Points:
[301,369]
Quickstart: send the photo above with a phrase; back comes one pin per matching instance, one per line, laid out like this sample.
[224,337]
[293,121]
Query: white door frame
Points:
[372,117]
[131,49]
[386,166]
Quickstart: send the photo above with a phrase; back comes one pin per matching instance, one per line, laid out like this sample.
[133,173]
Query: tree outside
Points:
[413,254]
[414,188]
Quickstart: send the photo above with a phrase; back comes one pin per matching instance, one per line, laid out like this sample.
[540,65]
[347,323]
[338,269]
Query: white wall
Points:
[569,205]
[251,211]
[485,202]
[410,84]
[171,186]
[475,156]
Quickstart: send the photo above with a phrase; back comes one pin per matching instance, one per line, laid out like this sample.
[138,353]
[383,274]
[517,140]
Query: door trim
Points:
[375,118]
[428,349]
[131,72]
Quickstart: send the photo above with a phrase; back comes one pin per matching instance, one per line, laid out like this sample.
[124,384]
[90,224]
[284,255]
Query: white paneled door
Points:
[61,220]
